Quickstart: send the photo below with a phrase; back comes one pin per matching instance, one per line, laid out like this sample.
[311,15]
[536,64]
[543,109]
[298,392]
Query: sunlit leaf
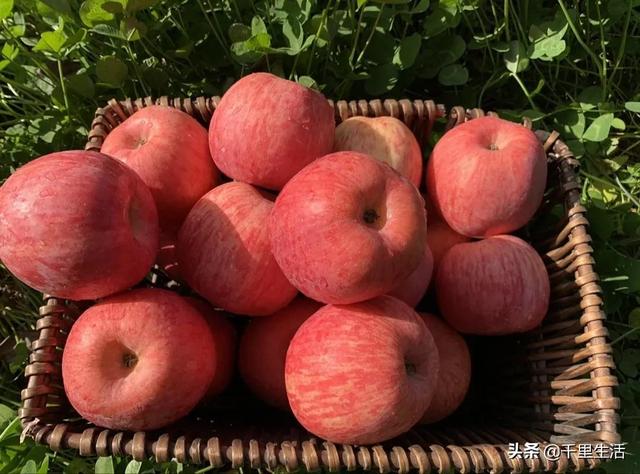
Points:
[406,53]
[599,129]
[51,41]
[104,465]
[5,8]
[516,59]
[632,106]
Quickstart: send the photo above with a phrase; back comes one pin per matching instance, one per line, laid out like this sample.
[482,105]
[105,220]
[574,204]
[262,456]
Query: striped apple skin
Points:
[455,369]
[493,287]
[361,373]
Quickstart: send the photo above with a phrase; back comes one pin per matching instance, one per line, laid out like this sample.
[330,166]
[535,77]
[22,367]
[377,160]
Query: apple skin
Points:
[361,373]
[265,129]
[263,350]
[481,191]
[440,238]
[169,150]
[169,341]
[224,252]
[493,287]
[347,228]
[77,225]
[386,139]
[225,340]
[455,370]
[414,287]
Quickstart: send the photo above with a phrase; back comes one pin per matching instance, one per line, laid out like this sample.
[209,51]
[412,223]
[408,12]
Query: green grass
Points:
[567,65]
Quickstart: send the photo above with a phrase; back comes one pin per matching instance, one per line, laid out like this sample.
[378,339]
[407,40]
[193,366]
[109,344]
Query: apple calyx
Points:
[370,216]
[410,368]
[129,359]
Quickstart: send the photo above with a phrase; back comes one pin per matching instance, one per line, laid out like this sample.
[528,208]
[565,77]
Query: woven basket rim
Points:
[591,346]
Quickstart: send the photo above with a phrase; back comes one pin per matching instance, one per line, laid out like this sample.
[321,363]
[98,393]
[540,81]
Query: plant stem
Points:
[356,37]
[525,91]
[64,91]
[506,4]
[623,44]
[370,37]
[604,54]
[323,19]
[578,37]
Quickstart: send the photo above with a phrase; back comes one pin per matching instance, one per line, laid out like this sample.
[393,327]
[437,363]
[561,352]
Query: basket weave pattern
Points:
[554,386]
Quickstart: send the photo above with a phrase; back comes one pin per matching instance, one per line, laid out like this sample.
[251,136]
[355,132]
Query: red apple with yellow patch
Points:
[386,139]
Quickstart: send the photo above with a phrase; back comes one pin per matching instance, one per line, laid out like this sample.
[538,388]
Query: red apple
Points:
[386,139]
[494,286]
[224,252]
[455,370]
[77,225]
[169,149]
[263,349]
[347,228]
[266,129]
[441,237]
[487,176]
[361,373]
[414,287]
[224,343]
[139,360]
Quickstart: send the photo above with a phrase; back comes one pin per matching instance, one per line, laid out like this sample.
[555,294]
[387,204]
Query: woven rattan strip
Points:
[557,388]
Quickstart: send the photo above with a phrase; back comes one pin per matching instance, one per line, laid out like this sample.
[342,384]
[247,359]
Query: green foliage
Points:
[566,65]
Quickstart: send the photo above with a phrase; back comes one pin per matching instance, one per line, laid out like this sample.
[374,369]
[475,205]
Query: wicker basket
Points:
[553,385]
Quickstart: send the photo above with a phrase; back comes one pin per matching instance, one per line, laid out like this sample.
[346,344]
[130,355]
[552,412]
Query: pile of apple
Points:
[317,233]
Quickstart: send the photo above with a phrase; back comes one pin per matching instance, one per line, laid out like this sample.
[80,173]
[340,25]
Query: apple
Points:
[77,225]
[414,287]
[441,237]
[492,287]
[361,373]
[263,350]
[455,370]
[487,176]
[265,129]
[169,149]
[224,343]
[386,139]
[224,252]
[347,228]
[139,360]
